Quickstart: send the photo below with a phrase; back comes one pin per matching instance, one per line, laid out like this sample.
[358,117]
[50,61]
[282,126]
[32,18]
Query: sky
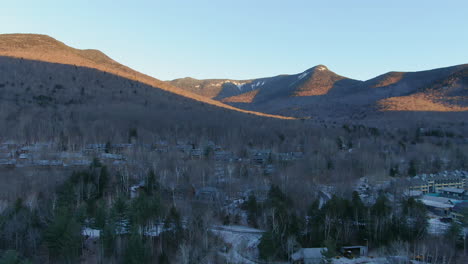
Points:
[244,39]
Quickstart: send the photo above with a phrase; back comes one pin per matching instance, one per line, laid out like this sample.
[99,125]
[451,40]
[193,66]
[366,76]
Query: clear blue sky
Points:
[243,39]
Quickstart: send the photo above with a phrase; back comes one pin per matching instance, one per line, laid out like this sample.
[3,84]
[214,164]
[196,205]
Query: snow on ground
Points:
[360,260]
[89,232]
[243,241]
[380,260]
[436,227]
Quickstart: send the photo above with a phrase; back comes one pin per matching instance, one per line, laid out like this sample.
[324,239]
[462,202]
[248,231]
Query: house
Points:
[459,211]
[47,163]
[161,146]
[438,205]
[261,156]
[354,251]
[8,163]
[269,169]
[119,148]
[94,148]
[418,184]
[220,155]
[110,156]
[308,256]
[260,193]
[415,194]
[137,189]
[456,193]
[430,183]
[196,153]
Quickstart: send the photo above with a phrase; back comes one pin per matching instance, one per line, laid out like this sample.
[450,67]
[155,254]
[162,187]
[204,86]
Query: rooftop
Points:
[452,190]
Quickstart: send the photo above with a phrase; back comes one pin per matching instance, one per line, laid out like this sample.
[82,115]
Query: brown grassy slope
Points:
[242,98]
[47,49]
[448,94]
[387,79]
[419,102]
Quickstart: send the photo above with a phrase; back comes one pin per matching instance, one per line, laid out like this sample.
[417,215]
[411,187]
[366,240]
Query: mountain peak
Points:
[317,68]
[320,67]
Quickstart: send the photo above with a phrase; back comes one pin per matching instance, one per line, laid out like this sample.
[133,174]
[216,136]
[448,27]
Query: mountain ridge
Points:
[47,49]
[391,91]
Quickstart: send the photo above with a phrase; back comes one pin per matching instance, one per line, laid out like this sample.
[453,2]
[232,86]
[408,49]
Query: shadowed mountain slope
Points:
[46,49]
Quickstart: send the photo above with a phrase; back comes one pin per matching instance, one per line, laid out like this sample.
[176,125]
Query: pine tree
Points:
[252,210]
[63,237]
[136,251]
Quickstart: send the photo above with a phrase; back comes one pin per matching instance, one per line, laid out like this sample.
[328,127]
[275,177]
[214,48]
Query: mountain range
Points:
[319,91]
[44,80]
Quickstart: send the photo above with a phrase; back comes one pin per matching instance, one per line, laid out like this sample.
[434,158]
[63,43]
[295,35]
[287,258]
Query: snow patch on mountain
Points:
[300,77]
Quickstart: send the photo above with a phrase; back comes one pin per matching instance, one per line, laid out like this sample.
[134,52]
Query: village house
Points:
[260,193]
[196,153]
[456,193]
[432,183]
[119,148]
[459,211]
[94,148]
[438,205]
[160,146]
[220,155]
[261,156]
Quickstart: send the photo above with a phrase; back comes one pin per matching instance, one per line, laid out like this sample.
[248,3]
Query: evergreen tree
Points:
[413,168]
[136,251]
[108,238]
[102,182]
[414,219]
[12,257]
[151,183]
[63,237]
[252,210]
[269,246]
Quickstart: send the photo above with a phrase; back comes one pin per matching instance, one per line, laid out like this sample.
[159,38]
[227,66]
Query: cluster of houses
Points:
[445,194]
[47,154]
